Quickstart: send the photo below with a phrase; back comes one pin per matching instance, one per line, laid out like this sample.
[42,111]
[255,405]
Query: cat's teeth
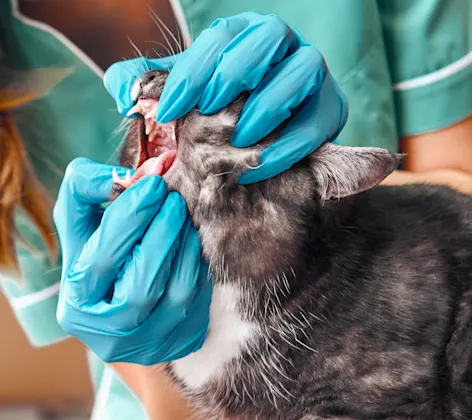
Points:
[173,135]
[116,178]
[151,114]
[149,126]
[125,182]
[152,136]
[137,109]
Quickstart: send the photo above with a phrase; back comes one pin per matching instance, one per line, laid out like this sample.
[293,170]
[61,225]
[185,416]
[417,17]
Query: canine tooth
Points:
[128,177]
[151,114]
[136,109]
[148,128]
[173,135]
[116,178]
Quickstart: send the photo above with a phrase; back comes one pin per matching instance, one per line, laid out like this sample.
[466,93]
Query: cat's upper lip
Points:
[145,106]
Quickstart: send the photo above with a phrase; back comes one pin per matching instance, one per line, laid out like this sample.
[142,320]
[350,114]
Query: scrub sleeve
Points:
[74,119]
[405,66]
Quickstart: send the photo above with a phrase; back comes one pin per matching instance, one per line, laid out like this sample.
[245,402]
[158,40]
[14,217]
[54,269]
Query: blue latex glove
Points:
[134,285]
[248,52]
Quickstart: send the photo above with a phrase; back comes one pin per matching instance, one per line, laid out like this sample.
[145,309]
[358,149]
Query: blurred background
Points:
[45,383]
[53,382]
[103,28]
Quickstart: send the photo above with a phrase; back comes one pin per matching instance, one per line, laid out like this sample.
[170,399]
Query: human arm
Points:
[441,157]
[428,45]
[158,394]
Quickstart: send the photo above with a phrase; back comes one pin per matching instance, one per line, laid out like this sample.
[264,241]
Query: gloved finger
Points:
[119,78]
[188,335]
[186,266]
[178,323]
[321,120]
[146,275]
[77,212]
[122,226]
[284,88]
[237,70]
[193,70]
[180,334]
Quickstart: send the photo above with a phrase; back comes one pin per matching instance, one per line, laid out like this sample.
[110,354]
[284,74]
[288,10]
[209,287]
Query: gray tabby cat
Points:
[332,299]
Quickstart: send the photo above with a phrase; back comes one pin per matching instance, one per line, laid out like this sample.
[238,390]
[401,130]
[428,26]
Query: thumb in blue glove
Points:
[120,77]
[259,53]
[134,285]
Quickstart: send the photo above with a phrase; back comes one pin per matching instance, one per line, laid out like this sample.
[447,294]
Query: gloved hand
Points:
[134,285]
[248,52]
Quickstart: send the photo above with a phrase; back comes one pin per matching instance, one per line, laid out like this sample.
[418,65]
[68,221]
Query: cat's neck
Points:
[262,262]
[268,248]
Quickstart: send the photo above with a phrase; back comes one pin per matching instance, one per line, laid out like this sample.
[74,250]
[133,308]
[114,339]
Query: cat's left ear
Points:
[341,171]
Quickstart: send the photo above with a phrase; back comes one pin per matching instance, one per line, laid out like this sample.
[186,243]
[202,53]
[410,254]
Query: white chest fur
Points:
[227,336]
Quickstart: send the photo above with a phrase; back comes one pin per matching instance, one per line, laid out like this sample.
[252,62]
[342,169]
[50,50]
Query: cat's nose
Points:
[140,84]
[148,78]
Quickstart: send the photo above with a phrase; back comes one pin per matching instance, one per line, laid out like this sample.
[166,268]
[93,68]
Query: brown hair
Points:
[19,187]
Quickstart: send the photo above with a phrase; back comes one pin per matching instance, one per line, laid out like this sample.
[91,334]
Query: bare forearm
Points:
[155,390]
[443,157]
[458,180]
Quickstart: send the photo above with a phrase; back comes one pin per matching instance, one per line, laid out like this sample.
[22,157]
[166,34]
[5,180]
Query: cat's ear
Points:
[341,171]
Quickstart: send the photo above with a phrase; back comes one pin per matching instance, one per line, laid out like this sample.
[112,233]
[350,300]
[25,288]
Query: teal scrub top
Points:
[405,67]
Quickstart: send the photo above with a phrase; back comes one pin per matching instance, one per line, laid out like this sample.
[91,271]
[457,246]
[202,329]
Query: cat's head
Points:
[192,154]
[195,157]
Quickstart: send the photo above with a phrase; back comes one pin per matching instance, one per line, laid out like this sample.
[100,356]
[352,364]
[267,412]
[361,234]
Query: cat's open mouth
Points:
[157,143]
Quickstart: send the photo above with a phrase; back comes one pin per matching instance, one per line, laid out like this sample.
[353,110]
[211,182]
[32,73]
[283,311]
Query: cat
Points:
[334,297]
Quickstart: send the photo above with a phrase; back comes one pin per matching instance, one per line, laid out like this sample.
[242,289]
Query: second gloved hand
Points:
[134,285]
[257,53]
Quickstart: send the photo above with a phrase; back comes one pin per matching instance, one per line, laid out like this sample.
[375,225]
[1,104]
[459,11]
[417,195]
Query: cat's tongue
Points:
[155,166]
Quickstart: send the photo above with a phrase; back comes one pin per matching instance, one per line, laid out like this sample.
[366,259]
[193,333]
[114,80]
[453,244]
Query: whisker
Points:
[223,173]
[162,32]
[155,52]
[116,151]
[162,45]
[135,53]
[179,46]
[139,52]
[122,126]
